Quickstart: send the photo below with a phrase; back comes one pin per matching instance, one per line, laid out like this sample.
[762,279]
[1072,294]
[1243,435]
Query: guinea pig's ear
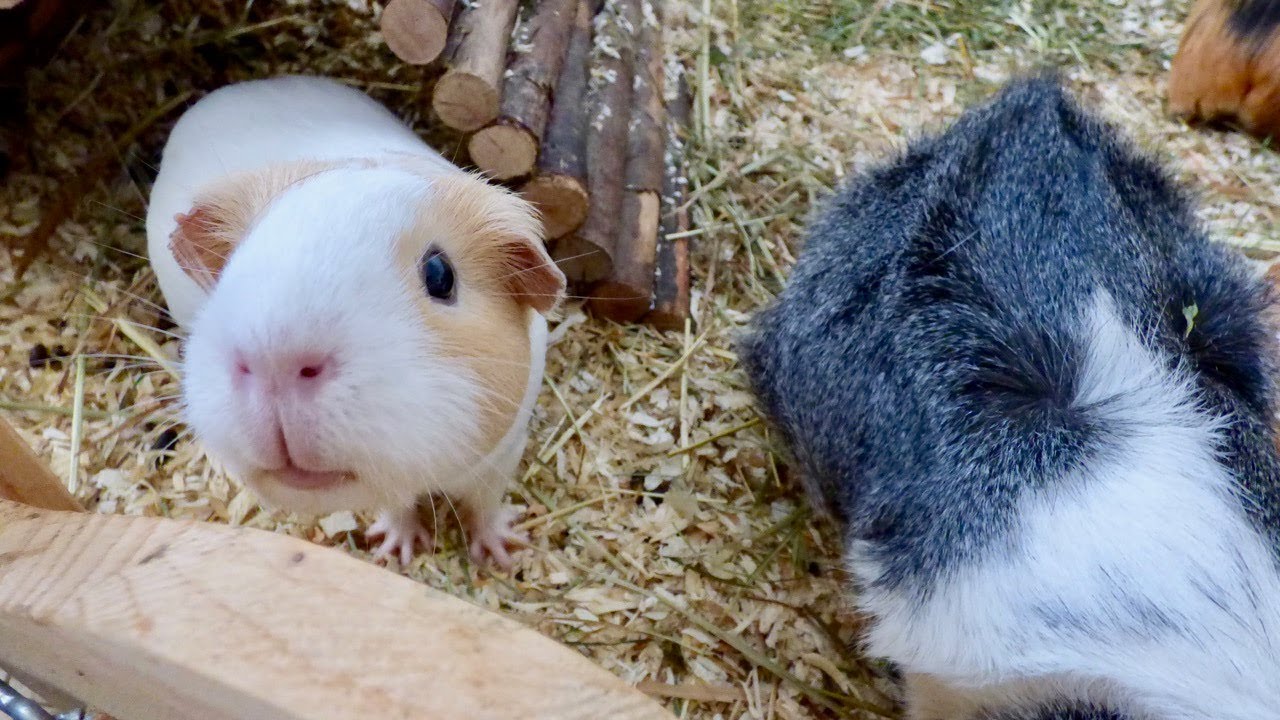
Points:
[532,277]
[201,244]
[223,214]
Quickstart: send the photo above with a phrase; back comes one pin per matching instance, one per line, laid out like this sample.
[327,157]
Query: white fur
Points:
[1159,516]
[251,125]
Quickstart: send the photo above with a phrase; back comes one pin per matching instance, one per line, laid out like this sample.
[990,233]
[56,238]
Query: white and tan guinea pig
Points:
[366,321]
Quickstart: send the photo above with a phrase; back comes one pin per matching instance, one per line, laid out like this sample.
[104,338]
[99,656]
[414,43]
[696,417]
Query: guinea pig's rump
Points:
[1039,401]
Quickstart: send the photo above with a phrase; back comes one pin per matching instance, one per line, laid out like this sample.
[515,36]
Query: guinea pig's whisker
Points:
[192,269]
[487,405]
[135,370]
[166,398]
[491,394]
[134,417]
[556,261]
[149,407]
[116,356]
[123,291]
[539,266]
[566,296]
[495,396]
[154,401]
[453,510]
[164,311]
[129,368]
[456,350]
[113,208]
[104,318]
[113,248]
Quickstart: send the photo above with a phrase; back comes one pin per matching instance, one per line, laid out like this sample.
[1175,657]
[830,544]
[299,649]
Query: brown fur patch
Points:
[224,212]
[1219,74]
[494,241]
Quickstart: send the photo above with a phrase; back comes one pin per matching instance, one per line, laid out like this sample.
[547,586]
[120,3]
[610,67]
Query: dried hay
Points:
[668,543]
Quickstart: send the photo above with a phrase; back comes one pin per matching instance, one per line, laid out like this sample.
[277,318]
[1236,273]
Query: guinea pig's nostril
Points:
[310,371]
[243,368]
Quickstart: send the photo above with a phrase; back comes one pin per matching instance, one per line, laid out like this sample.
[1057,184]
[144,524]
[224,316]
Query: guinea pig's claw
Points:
[492,539]
[401,532]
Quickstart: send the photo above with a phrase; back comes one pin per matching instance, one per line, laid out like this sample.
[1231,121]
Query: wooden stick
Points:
[627,295]
[671,278]
[609,105]
[509,148]
[466,97]
[560,189]
[561,199]
[154,619]
[25,479]
[416,30]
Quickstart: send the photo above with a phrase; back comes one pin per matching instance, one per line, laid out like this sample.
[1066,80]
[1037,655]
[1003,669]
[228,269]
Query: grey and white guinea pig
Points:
[1039,403]
[366,321]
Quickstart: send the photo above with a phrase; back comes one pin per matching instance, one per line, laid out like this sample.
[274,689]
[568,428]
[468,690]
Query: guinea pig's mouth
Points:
[301,479]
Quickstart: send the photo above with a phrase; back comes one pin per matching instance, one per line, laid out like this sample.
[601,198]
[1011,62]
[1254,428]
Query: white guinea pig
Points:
[366,321]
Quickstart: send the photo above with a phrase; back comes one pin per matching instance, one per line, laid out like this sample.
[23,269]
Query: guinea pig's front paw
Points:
[401,531]
[491,534]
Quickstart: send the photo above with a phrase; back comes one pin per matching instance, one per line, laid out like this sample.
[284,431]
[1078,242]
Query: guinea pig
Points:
[366,321]
[1227,67]
[1038,402]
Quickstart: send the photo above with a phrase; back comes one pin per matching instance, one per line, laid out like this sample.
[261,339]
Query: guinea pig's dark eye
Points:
[437,275]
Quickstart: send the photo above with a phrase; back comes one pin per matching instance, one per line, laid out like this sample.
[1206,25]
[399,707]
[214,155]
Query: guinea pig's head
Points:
[367,334]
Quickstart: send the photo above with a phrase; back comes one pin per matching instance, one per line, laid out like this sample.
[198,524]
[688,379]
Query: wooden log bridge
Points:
[567,101]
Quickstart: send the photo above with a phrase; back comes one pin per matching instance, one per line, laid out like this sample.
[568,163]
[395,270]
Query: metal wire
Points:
[18,707]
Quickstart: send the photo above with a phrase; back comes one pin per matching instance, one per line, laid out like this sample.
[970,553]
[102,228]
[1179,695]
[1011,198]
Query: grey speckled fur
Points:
[923,363]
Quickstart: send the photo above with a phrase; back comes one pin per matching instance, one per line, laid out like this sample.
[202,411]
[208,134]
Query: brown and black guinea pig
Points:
[1227,68]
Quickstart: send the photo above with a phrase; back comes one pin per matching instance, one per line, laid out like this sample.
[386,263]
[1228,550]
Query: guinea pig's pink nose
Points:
[281,371]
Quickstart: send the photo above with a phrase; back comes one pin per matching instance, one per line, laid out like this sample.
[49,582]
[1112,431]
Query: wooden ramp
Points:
[153,619]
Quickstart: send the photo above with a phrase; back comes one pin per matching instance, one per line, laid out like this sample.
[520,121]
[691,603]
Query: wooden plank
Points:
[25,479]
[154,619]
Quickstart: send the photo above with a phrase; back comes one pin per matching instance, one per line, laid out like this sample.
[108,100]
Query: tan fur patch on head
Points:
[224,212]
[493,240]
[508,240]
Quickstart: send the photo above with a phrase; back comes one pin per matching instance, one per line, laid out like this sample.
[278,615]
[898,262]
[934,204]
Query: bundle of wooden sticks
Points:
[569,98]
